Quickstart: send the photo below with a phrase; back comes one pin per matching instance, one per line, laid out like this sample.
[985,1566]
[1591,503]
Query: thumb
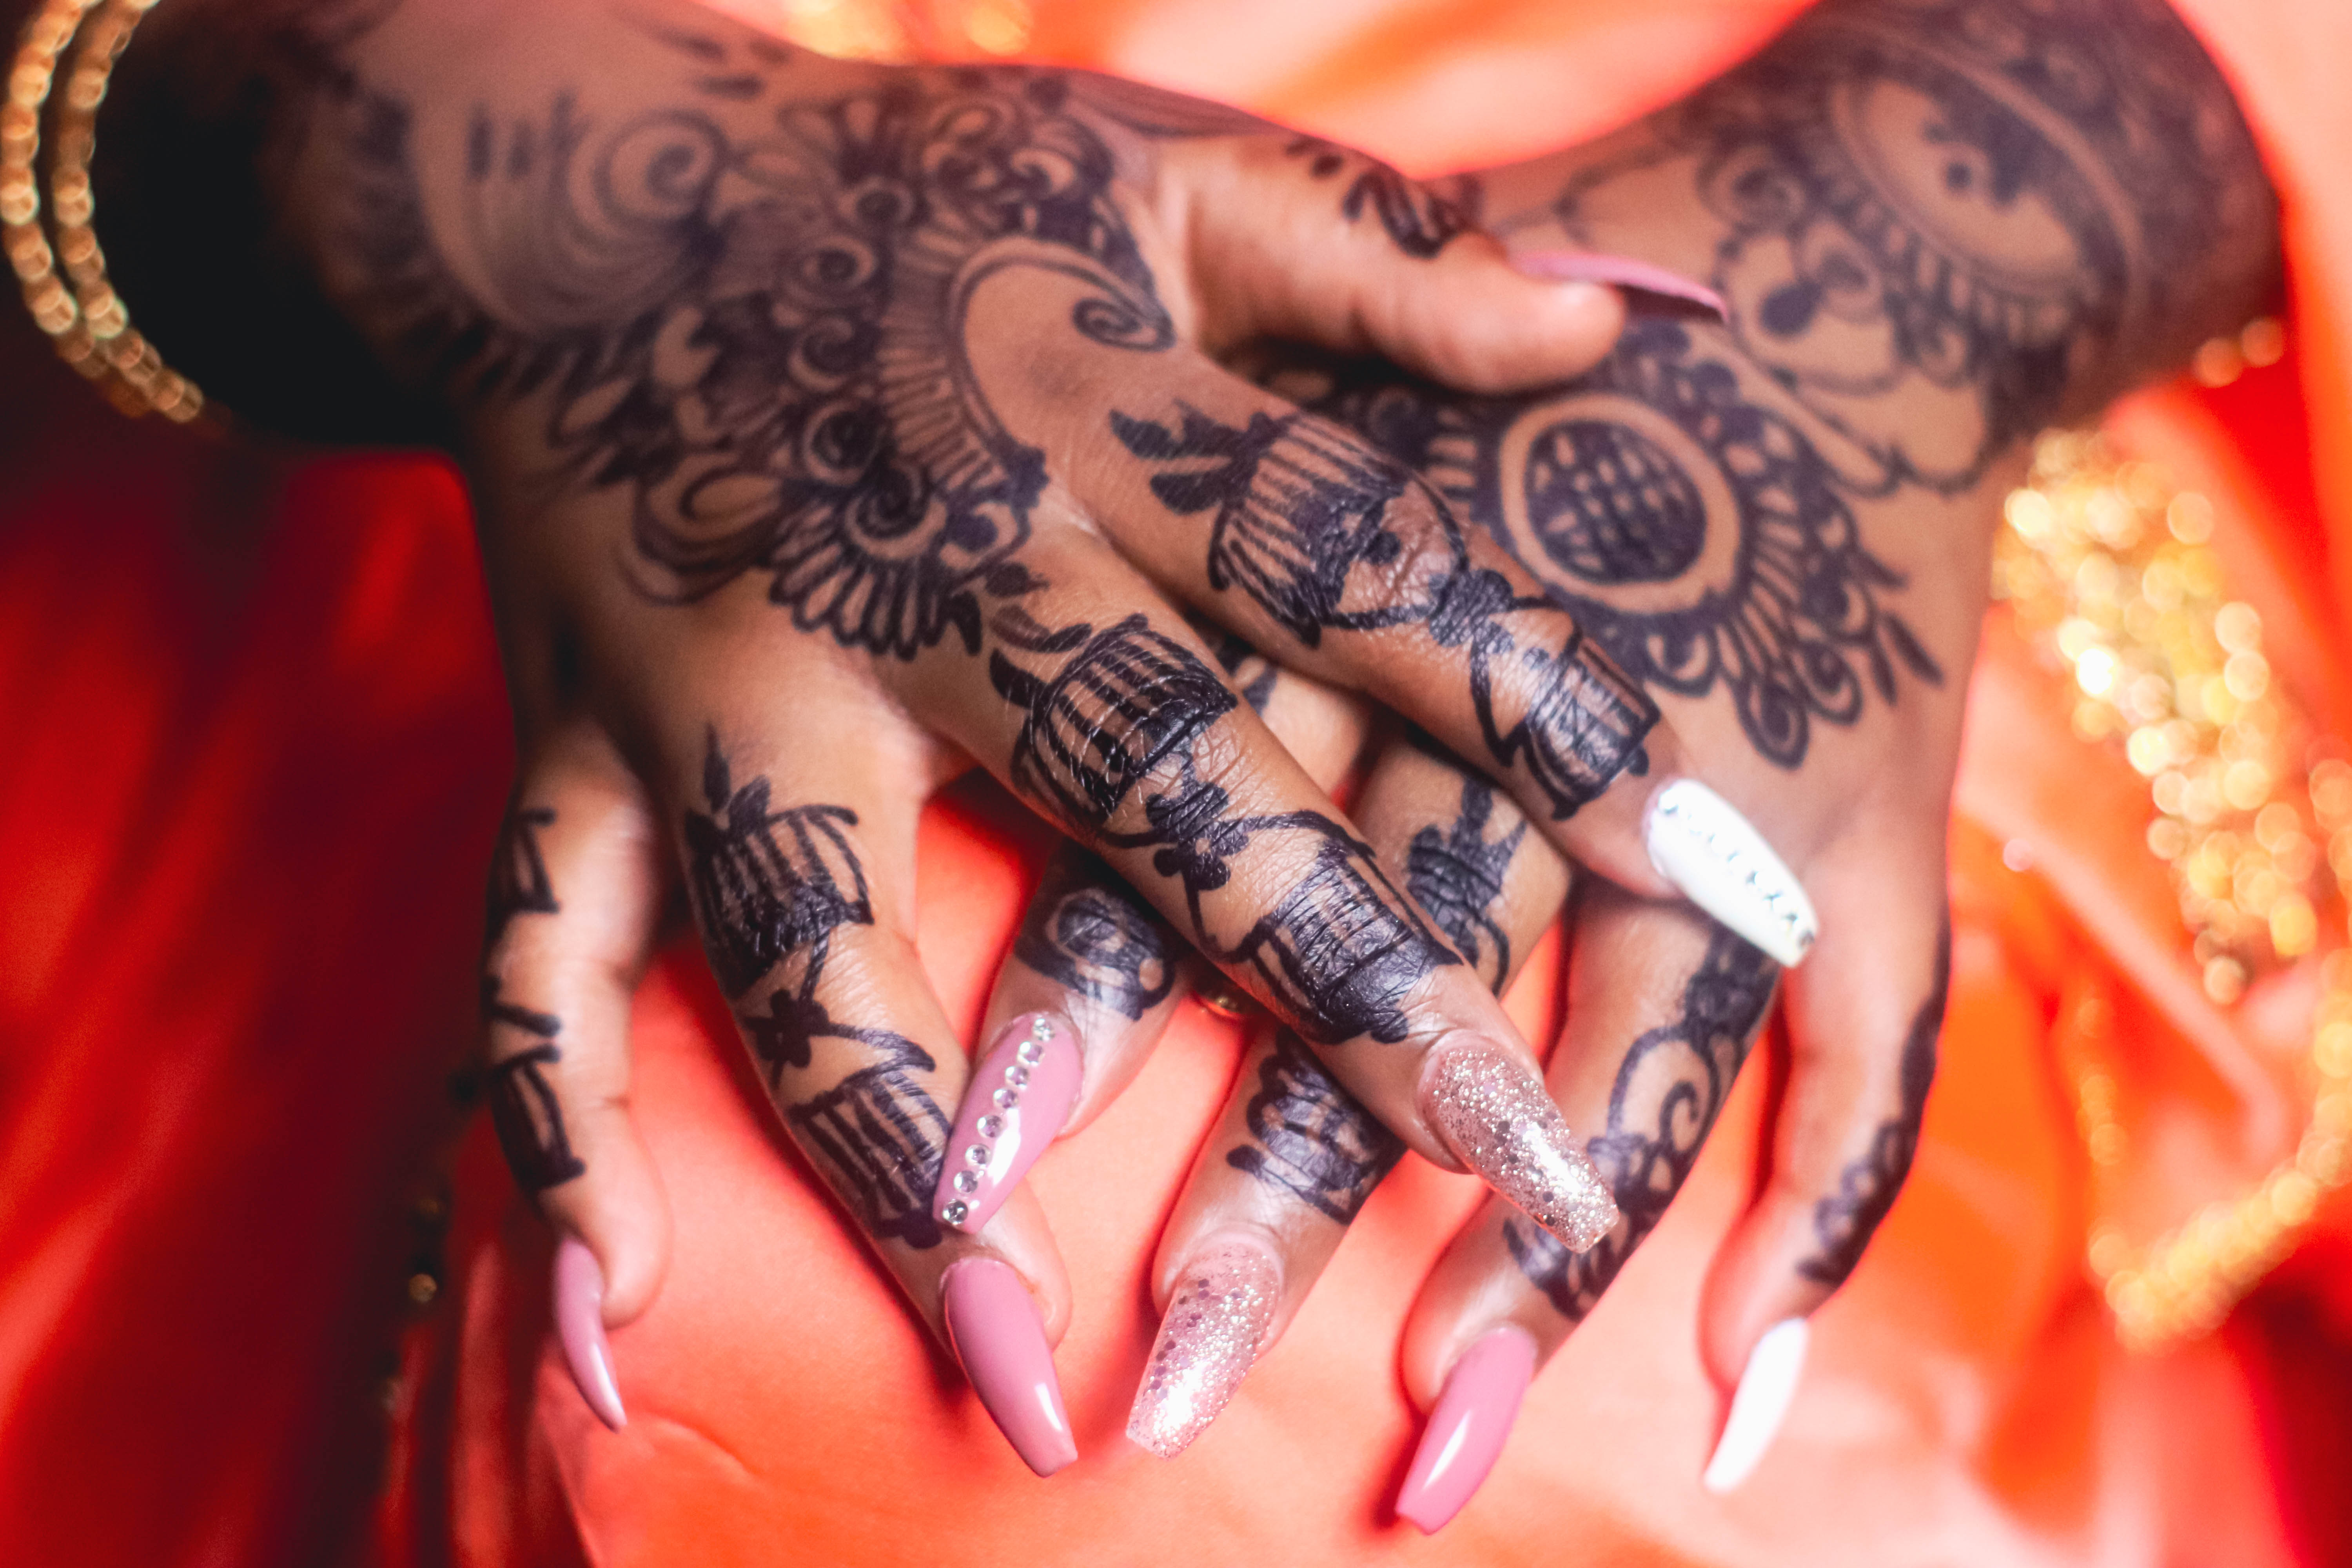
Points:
[1295,237]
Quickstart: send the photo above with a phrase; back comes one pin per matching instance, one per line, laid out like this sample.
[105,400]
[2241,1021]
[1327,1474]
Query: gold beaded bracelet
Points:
[63,274]
[2107,564]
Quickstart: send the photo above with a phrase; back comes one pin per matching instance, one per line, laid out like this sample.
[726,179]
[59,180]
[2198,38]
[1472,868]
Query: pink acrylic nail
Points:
[1020,1095]
[580,1325]
[1466,1431]
[998,1337]
[1623,272]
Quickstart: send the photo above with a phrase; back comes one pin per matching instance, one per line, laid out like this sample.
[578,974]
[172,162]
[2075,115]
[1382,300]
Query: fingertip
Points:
[1467,1427]
[579,1307]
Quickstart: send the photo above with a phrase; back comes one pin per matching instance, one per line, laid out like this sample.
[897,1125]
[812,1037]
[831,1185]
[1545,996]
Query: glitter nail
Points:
[1499,1120]
[1216,1320]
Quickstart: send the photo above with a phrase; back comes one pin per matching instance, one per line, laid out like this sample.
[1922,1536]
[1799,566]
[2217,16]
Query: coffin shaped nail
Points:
[1217,1320]
[1702,845]
[580,1329]
[1758,1404]
[1020,1095]
[1492,1110]
[1622,271]
[1467,1429]
[994,1324]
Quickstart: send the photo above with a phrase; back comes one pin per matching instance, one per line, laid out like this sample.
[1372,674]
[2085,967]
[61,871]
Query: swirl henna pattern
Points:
[1846,1219]
[1088,933]
[1311,1137]
[1669,1090]
[750,318]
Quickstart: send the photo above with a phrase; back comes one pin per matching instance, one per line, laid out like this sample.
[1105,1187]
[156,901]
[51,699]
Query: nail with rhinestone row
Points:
[1702,845]
[1020,1095]
[1494,1112]
[1217,1318]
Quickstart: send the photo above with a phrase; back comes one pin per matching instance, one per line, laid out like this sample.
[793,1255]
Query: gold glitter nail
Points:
[1208,1341]
[1498,1119]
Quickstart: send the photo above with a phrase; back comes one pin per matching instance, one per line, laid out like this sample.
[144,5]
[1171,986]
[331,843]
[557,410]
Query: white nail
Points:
[1758,1404]
[1719,860]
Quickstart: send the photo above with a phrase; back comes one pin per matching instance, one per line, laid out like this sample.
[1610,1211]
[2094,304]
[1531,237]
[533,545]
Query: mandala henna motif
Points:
[761,338]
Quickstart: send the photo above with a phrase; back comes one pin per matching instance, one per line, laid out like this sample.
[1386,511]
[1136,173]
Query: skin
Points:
[1886,422]
[1897,426]
[802,399]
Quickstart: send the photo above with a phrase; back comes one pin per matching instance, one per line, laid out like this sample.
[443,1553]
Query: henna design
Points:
[1692,532]
[1127,700]
[758,334]
[523,1108]
[519,880]
[1418,220]
[1669,1090]
[1846,1219]
[1458,876]
[1936,214]
[1314,1139]
[884,1138]
[1089,934]
[770,885]
[1303,527]
[1338,951]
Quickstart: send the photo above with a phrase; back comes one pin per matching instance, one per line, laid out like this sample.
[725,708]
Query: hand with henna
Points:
[1932,228]
[834,427]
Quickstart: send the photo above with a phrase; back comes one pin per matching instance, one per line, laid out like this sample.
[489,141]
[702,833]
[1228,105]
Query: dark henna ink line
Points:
[519,880]
[1314,1139]
[1420,221]
[1303,527]
[1089,934]
[774,398]
[1128,700]
[884,1138]
[1846,1219]
[1693,535]
[1670,1087]
[523,1108]
[766,884]
[1456,876]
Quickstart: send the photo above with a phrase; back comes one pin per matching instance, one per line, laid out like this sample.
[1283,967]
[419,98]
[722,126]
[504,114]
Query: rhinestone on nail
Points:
[1017,1076]
[954,1213]
[977,1154]
[1041,1027]
[990,1126]
[1031,1052]
[965,1182]
[1005,1098]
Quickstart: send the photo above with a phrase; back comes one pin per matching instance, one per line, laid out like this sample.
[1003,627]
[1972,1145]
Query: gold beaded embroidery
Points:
[2105,561]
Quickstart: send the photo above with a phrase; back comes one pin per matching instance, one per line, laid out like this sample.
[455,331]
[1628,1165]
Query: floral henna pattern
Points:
[758,334]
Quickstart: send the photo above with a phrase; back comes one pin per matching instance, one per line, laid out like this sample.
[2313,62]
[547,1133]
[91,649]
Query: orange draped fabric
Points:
[259,755]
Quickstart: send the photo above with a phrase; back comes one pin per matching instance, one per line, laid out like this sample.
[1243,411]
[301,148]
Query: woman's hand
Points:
[1779,522]
[831,424]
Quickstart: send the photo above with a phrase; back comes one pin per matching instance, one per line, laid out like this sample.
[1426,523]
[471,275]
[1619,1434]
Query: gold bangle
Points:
[63,274]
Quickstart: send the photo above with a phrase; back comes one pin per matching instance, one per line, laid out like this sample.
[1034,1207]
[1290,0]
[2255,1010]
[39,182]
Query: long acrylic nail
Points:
[1622,271]
[1466,1431]
[1758,1404]
[1702,845]
[580,1327]
[1216,1320]
[1022,1094]
[1494,1113]
[994,1327]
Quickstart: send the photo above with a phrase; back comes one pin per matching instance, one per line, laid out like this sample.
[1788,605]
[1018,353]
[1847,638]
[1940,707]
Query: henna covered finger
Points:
[803,900]
[1295,1155]
[575,893]
[1101,965]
